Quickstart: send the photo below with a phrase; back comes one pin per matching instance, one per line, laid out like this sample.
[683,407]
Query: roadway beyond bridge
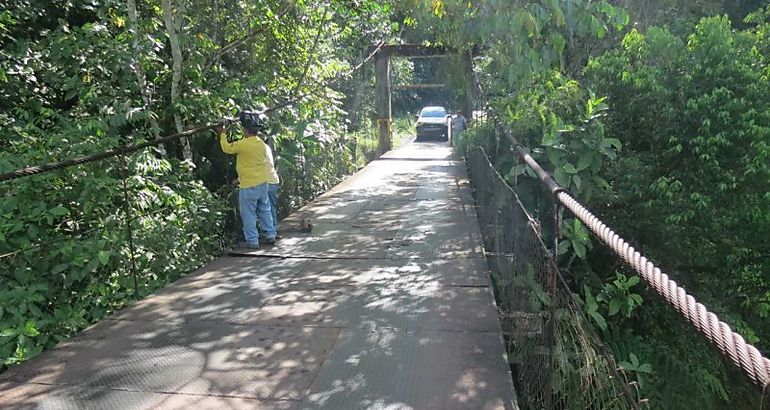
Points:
[387,304]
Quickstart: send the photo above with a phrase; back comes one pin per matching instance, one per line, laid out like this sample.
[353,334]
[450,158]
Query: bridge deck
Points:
[385,305]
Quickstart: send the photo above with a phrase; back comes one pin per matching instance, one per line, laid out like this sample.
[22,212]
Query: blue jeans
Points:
[254,204]
[272,193]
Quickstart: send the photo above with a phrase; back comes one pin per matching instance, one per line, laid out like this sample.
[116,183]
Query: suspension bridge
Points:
[425,283]
[386,304]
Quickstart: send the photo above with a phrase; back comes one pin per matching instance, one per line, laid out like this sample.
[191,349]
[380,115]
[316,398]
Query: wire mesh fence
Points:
[557,360]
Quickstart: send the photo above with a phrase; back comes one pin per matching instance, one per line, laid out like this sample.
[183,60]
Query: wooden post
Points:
[382,102]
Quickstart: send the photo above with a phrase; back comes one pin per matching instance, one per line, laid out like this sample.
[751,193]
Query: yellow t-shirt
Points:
[253,160]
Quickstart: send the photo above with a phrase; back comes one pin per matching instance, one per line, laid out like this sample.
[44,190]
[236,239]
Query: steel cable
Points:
[127,149]
[744,355]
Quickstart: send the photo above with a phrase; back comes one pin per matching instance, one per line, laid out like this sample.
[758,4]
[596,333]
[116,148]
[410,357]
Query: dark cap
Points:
[252,122]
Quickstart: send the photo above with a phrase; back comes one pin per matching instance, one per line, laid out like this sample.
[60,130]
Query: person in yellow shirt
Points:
[253,162]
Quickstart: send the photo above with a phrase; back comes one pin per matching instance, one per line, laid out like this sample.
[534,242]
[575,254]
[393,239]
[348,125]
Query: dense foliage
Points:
[80,77]
[693,116]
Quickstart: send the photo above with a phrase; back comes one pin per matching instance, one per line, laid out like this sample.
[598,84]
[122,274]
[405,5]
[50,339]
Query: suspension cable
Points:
[730,344]
[127,149]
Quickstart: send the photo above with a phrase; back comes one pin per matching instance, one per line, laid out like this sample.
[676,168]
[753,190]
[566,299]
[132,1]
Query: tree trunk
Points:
[141,78]
[219,35]
[173,25]
[382,103]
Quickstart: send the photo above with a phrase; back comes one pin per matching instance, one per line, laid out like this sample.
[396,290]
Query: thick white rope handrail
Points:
[744,355]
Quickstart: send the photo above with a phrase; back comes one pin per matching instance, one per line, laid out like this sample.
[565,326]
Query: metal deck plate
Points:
[437,234]
[327,273]
[15,396]
[204,359]
[232,296]
[329,210]
[413,370]
[411,306]
[469,272]
[332,244]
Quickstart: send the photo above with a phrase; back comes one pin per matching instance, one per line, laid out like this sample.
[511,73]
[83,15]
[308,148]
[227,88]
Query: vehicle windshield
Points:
[433,113]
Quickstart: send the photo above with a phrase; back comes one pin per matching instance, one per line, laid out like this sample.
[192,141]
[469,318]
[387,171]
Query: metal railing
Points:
[558,361]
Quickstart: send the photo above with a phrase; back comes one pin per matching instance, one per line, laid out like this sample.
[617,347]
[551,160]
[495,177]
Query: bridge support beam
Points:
[382,102]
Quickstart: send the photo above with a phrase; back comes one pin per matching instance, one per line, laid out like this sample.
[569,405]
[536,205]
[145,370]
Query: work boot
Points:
[270,240]
[249,245]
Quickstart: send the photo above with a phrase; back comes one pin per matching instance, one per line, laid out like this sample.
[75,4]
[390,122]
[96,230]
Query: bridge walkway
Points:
[386,304]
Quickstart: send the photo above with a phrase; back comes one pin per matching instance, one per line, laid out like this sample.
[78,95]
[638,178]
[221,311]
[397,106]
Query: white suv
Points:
[432,121]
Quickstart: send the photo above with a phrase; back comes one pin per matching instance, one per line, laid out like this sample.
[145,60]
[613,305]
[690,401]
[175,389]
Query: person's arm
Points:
[227,147]
[269,160]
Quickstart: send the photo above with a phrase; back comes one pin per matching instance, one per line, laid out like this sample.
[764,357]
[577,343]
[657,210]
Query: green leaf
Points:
[92,265]
[8,332]
[59,268]
[104,257]
[612,142]
[626,366]
[634,360]
[30,329]
[601,182]
[591,305]
[550,138]
[579,230]
[517,170]
[597,28]
[570,169]
[59,211]
[580,249]
[577,181]
[614,307]
[585,161]
[644,368]
[561,177]
[599,319]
